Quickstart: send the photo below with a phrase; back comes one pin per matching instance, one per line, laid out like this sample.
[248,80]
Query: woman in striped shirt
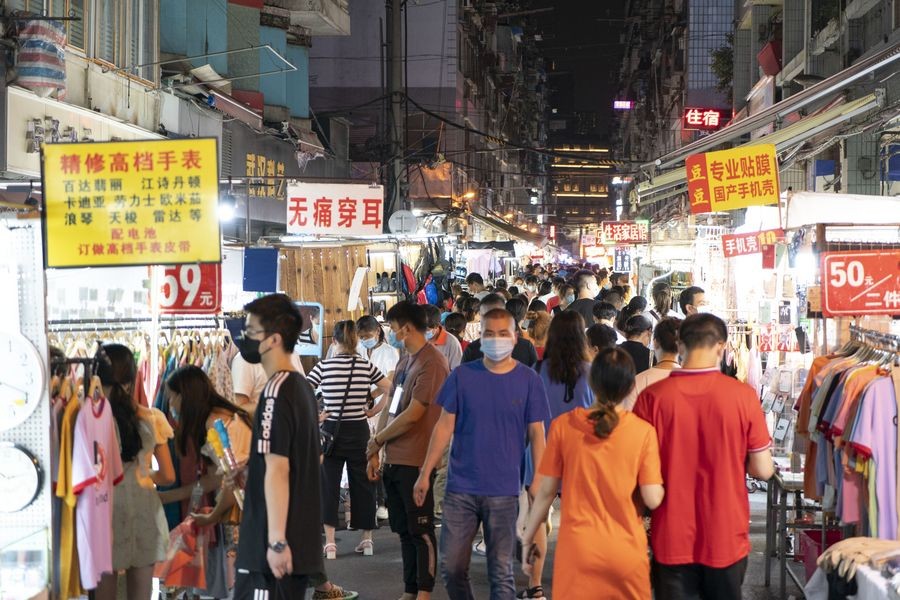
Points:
[344,383]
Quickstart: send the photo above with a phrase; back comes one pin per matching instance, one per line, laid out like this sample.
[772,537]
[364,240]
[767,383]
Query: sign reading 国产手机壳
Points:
[730,179]
[148,202]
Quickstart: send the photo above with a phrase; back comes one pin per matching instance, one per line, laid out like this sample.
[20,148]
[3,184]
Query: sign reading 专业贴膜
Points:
[730,179]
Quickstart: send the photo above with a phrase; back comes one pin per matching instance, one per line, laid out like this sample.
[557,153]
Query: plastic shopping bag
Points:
[186,558]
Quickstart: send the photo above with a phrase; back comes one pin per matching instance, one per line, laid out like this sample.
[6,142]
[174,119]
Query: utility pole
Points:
[397,183]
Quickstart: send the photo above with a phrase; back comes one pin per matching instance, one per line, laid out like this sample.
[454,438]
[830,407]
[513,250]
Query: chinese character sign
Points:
[131,203]
[730,179]
[265,177]
[335,209]
[739,244]
[191,289]
[704,119]
[861,283]
[625,232]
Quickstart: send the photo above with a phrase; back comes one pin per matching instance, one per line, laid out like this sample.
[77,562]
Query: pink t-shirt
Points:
[96,468]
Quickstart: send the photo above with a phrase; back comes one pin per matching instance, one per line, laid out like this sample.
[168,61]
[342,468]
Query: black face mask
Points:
[250,350]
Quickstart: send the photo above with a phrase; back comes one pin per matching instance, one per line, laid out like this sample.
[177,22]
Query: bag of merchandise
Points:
[185,562]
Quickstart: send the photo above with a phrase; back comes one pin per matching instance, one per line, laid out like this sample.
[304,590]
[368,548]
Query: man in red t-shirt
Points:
[711,432]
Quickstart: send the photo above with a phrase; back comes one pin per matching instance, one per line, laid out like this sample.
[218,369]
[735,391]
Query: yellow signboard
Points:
[131,203]
[730,179]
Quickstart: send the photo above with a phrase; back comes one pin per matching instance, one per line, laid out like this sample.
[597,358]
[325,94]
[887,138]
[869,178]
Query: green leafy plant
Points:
[722,65]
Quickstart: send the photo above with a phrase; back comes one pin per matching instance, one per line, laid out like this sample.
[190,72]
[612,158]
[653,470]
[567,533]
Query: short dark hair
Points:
[702,330]
[581,279]
[637,325]
[665,335]
[513,290]
[603,274]
[277,313]
[406,313]
[602,336]
[432,316]
[493,300]
[537,305]
[369,324]
[687,297]
[455,323]
[558,281]
[501,284]
[545,288]
[474,278]
[637,304]
[517,308]
[604,311]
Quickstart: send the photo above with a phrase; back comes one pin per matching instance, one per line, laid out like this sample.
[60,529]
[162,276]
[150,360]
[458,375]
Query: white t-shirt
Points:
[249,380]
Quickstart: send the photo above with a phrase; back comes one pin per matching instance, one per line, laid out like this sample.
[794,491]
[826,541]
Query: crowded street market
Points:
[450,299]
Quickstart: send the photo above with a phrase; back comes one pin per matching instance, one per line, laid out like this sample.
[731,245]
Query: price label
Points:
[861,283]
[191,289]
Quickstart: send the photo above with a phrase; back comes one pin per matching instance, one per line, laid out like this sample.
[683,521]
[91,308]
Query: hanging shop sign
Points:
[625,232]
[131,203]
[263,161]
[622,260]
[731,179]
[589,240]
[335,209]
[704,119]
[191,289]
[740,244]
[861,283]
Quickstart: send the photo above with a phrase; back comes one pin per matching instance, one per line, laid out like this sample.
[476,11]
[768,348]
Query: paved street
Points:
[380,577]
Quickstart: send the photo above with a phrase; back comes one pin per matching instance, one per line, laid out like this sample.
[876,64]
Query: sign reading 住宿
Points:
[131,203]
[861,283]
[335,209]
[730,179]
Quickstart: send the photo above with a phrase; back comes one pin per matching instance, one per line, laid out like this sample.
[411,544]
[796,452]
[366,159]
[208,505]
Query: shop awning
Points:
[827,87]
[811,208]
[675,181]
[510,230]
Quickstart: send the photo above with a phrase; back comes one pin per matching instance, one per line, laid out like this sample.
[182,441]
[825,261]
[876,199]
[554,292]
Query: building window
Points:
[576,188]
[125,35]
[64,8]
[567,187]
[593,188]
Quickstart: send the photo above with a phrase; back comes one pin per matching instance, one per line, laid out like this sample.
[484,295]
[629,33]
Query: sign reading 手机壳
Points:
[148,202]
[740,244]
[335,209]
[730,179]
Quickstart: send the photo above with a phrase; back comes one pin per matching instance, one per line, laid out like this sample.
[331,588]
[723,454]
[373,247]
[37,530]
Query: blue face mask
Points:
[393,341]
[369,343]
[497,348]
[570,299]
[429,334]
[173,413]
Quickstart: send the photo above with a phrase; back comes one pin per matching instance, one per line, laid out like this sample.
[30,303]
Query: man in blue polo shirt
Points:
[490,408]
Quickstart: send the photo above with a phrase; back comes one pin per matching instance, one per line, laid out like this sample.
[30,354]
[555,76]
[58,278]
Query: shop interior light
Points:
[227,205]
[468,195]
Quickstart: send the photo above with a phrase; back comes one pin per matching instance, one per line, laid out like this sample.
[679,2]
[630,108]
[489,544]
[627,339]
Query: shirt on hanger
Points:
[70,579]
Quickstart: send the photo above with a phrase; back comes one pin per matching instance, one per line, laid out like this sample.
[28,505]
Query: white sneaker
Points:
[382,513]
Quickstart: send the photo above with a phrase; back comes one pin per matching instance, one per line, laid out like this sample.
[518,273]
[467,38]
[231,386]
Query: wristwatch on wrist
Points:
[278,547]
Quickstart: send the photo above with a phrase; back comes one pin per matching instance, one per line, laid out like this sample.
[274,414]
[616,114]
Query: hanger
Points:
[94,388]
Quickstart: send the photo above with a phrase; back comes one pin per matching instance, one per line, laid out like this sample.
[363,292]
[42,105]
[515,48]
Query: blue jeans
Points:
[463,513]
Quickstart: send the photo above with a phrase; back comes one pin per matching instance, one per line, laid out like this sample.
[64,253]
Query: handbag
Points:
[326,438]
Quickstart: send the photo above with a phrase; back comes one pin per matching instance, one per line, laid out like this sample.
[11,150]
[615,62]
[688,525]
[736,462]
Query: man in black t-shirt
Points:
[279,547]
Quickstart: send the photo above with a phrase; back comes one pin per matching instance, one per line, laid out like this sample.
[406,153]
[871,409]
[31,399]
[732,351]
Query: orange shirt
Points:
[599,478]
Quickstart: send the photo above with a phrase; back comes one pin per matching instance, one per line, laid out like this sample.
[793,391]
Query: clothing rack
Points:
[186,322]
[90,368]
[885,341]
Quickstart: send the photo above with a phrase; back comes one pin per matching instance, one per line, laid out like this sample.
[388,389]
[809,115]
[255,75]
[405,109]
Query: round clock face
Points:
[20,478]
[22,379]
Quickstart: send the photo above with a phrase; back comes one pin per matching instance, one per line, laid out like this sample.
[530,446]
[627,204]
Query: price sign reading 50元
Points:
[191,289]
[861,283]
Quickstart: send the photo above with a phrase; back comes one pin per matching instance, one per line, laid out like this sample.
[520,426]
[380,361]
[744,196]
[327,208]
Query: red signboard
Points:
[739,244]
[861,283]
[704,119]
[191,289]
[625,232]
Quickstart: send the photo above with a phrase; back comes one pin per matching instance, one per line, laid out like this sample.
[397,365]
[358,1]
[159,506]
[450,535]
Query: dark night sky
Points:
[582,45]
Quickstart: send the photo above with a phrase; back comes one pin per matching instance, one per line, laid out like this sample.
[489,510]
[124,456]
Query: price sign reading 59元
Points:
[861,283]
[191,289]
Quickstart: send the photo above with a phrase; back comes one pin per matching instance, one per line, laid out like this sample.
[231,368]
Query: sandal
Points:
[330,551]
[366,548]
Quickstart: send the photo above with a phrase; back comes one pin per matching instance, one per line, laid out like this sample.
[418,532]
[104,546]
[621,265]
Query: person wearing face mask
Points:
[523,350]
[344,383]
[701,541]
[587,289]
[692,301]
[441,338]
[490,408]
[566,296]
[637,331]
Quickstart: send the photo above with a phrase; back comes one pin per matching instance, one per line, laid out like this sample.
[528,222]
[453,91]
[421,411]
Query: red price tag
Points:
[861,283]
[191,289]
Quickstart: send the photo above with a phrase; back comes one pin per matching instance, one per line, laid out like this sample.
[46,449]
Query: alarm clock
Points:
[20,478]
[22,379]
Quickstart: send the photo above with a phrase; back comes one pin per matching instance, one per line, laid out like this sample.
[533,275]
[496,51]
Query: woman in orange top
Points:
[602,455]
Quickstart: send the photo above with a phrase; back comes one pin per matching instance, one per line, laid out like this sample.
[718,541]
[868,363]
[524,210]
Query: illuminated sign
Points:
[623,104]
[704,119]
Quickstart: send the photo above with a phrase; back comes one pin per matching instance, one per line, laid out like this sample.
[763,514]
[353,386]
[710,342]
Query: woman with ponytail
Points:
[140,533]
[606,454]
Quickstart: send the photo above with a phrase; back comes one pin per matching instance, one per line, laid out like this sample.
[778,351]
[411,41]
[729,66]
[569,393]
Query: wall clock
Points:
[20,478]
[22,379]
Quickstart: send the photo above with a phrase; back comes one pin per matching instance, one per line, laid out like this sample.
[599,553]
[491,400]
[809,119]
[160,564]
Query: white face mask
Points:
[703,308]
[497,348]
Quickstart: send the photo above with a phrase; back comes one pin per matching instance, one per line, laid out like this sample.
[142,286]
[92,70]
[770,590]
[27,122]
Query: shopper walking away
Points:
[523,350]
[587,289]
[701,535]
[661,294]
[278,550]
[665,349]
[344,383]
[638,330]
[564,371]
[537,331]
[475,283]
[139,529]
[601,455]
[404,431]
[490,407]
[440,338]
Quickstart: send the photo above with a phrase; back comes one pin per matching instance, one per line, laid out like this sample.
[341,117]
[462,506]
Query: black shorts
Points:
[263,586]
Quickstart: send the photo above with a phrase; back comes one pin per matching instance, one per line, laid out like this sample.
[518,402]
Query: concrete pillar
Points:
[792,33]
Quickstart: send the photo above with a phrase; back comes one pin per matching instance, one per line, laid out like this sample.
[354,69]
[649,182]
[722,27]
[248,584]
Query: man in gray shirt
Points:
[440,338]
